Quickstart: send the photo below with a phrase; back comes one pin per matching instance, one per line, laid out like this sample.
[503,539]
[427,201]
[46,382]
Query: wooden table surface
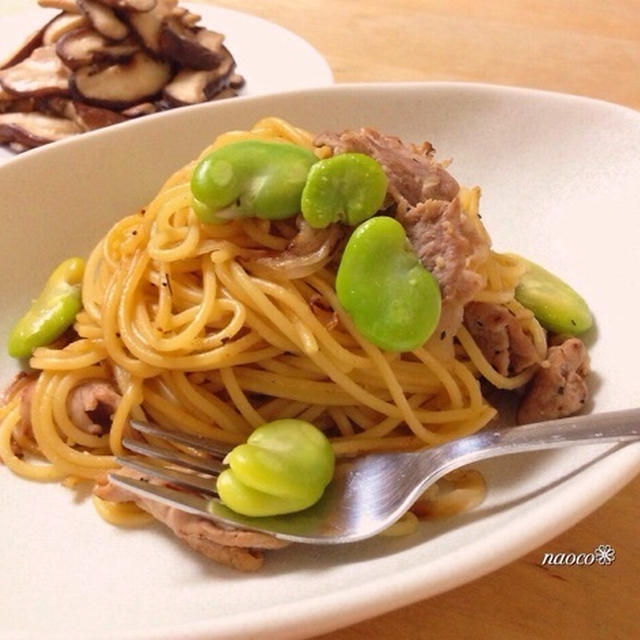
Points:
[587,47]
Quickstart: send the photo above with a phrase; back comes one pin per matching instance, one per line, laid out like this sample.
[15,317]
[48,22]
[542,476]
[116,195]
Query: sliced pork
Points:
[236,548]
[91,406]
[500,337]
[449,246]
[424,196]
[413,174]
[559,389]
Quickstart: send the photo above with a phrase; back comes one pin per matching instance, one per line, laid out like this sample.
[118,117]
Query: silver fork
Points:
[368,493]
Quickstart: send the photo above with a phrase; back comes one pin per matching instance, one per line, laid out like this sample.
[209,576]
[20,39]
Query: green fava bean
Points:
[284,466]
[250,178]
[393,300]
[554,303]
[52,312]
[349,187]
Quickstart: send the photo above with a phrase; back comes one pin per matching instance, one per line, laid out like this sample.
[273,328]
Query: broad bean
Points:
[250,178]
[283,467]
[557,306]
[393,300]
[52,312]
[348,187]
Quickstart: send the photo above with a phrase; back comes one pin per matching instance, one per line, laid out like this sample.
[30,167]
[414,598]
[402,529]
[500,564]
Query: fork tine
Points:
[204,465]
[190,502]
[218,449]
[173,476]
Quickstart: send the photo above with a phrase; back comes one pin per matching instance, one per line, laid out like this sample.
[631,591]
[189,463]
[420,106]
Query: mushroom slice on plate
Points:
[10,103]
[34,129]
[70,6]
[5,98]
[191,87]
[82,47]
[90,118]
[42,73]
[147,24]
[33,41]
[142,109]
[60,25]
[103,19]
[131,5]
[194,48]
[119,86]
[85,116]
[236,81]
[185,16]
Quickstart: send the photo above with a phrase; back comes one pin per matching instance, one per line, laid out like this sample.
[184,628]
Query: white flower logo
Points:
[605,554]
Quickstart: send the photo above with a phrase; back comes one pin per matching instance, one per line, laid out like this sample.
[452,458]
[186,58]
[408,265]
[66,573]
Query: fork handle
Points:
[610,427]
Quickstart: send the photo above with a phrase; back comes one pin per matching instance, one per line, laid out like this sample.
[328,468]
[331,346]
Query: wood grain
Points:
[586,47]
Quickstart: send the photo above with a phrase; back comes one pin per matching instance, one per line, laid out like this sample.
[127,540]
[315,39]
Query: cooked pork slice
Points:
[559,388]
[500,337]
[236,548]
[412,173]
[91,406]
[448,245]
[25,407]
[41,74]
[439,231]
[23,430]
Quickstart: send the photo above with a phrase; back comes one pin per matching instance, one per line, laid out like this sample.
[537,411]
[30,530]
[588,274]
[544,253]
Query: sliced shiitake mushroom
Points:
[100,62]
[12,104]
[60,25]
[236,81]
[131,5]
[42,73]
[147,24]
[185,16]
[89,117]
[119,86]
[33,41]
[70,6]
[84,115]
[142,109]
[5,97]
[103,19]
[34,129]
[56,106]
[82,47]
[194,48]
[191,87]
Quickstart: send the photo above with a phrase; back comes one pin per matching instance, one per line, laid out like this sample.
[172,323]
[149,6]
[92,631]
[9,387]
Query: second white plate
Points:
[271,58]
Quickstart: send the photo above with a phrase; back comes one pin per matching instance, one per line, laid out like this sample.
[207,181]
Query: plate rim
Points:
[410,586]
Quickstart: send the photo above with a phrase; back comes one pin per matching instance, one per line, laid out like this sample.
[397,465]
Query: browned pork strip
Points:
[500,337]
[448,245]
[91,406]
[559,388]
[23,428]
[427,206]
[412,173]
[236,548]
[23,385]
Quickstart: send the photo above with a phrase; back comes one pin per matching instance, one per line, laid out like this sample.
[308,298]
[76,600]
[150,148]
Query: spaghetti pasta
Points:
[194,332]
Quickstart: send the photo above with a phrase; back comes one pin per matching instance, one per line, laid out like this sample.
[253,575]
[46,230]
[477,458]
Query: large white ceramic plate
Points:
[561,183]
[271,58]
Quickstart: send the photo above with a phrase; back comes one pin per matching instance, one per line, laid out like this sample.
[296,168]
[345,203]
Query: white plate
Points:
[561,183]
[271,58]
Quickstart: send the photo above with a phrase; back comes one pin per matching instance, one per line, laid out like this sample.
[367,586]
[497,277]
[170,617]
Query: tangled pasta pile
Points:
[216,329]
